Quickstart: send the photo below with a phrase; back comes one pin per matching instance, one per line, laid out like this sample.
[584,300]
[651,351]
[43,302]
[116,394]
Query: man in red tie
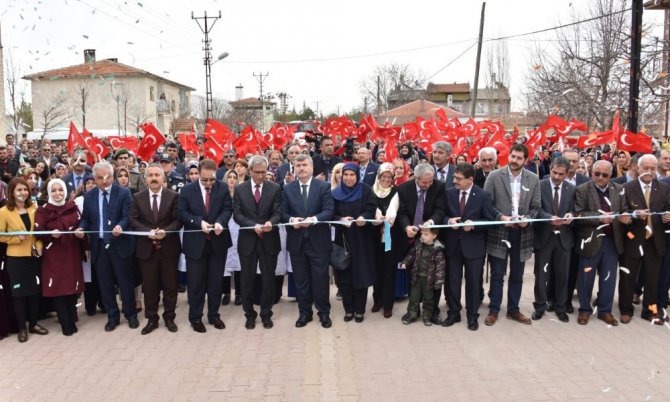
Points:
[257,204]
[205,207]
[154,210]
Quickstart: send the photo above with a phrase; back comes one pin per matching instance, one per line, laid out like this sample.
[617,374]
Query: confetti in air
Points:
[641,251]
[624,270]
[51,281]
[545,267]
[507,243]
[607,277]
[525,188]
[37,279]
[602,226]
[607,200]
[588,269]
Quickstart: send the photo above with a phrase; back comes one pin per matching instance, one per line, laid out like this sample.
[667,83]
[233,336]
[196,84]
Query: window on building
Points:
[152,96]
[173,106]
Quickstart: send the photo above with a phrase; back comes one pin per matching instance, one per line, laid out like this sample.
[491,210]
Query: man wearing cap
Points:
[174,180]
[122,159]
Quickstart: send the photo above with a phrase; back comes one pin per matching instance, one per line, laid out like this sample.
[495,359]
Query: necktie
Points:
[554,202]
[105,215]
[257,193]
[154,207]
[77,182]
[363,172]
[647,194]
[440,174]
[304,194]
[418,212]
[462,203]
[207,193]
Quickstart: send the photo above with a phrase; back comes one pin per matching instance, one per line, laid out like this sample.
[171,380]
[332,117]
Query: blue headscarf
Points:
[343,193]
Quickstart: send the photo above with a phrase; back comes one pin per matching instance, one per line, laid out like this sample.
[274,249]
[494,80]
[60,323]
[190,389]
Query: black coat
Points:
[360,240]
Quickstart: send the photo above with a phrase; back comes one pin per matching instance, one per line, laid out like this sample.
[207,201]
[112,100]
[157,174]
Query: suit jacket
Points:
[69,180]
[320,165]
[119,208]
[142,219]
[659,200]
[588,204]
[281,173]
[370,174]
[247,213]
[478,207]
[480,178]
[433,207]
[544,230]
[191,212]
[581,179]
[319,204]
[498,186]
[449,180]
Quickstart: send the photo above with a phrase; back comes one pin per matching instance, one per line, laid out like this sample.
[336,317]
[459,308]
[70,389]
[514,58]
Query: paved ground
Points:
[377,360]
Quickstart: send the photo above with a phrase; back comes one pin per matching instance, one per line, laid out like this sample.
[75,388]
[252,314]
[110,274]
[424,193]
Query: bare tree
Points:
[393,79]
[16,89]
[53,114]
[586,75]
[498,78]
[81,99]
[137,114]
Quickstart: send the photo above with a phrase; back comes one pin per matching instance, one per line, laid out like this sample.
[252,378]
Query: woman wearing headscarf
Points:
[386,263]
[232,268]
[401,170]
[23,265]
[62,272]
[355,202]
[622,164]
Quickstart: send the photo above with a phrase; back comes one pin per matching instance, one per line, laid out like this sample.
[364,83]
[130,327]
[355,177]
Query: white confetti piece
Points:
[49,245]
[648,398]
[106,246]
[582,246]
[76,286]
[607,200]
[601,235]
[641,251]
[593,359]
[654,321]
[605,388]
[624,270]
[653,374]
[607,277]
[51,281]
[37,279]
[602,226]
[525,188]
[78,305]
[648,229]
[18,285]
[622,192]
[2,266]
[545,267]
[588,240]
[1,287]
[557,232]
[602,212]
[508,244]
[553,319]
[37,224]
[70,228]
[588,269]
[109,222]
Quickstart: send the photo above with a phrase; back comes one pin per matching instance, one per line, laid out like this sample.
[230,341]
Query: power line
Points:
[453,60]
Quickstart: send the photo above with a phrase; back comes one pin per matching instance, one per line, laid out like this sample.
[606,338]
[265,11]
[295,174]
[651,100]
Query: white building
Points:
[105,95]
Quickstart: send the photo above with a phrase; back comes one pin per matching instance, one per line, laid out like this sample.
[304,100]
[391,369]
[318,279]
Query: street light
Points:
[220,57]
[208,80]
[116,93]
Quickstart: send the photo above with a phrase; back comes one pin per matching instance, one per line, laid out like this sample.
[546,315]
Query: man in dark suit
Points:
[631,173]
[576,179]
[323,164]
[516,196]
[367,168]
[664,276]
[105,213]
[8,167]
[154,210]
[47,156]
[305,202]
[285,173]
[257,204]
[421,202]
[228,164]
[466,245]
[205,205]
[646,246]
[553,241]
[488,159]
[599,241]
[75,179]
[444,171]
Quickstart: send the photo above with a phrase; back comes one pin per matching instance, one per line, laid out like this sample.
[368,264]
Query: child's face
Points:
[427,236]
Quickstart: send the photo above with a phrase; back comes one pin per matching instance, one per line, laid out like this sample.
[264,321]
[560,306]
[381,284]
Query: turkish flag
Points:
[535,138]
[151,141]
[632,142]
[390,151]
[188,143]
[97,147]
[561,127]
[218,131]
[593,139]
[410,130]
[470,128]
[74,139]
[213,150]
[129,142]
[459,146]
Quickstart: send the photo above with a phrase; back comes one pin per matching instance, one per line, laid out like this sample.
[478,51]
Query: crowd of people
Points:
[415,227]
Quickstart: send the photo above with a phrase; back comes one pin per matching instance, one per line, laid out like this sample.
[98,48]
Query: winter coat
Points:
[437,267]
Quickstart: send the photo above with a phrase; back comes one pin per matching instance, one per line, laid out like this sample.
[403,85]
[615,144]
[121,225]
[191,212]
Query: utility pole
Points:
[473,104]
[379,97]
[260,78]
[635,50]
[206,28]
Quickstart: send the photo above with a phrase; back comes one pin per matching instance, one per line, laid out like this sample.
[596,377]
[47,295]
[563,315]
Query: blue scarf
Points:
[343,193]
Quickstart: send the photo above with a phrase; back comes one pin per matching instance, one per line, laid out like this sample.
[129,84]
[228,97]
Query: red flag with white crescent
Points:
[97,147]
[151,141]
[129,142]
[632,142]
[74,138]
[188,143]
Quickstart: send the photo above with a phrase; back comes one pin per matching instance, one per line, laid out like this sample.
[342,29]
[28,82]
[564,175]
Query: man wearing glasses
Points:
[48,158]
[599,241]
[205,207]
[229,164]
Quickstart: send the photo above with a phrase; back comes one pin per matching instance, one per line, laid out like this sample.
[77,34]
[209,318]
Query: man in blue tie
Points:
[105,215]
[74,181]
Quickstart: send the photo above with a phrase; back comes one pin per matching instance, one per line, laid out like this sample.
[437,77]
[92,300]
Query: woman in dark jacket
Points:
[355,202]
[62,273]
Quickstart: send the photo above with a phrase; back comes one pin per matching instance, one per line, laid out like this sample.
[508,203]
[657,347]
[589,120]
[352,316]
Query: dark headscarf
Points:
[343,193]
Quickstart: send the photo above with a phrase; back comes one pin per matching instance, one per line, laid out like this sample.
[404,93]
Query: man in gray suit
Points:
[599,241]
[554,240]
[516,197]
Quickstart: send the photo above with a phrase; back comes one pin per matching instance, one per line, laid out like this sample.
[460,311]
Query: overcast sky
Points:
[316,51]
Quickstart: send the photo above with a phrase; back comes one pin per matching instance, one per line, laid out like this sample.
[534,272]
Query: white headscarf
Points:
[50,186]
[377,188]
